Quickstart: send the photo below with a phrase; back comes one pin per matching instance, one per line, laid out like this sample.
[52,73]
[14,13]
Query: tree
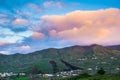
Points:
[101,71]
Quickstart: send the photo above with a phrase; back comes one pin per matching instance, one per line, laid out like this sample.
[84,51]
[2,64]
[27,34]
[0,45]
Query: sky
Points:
[31,25]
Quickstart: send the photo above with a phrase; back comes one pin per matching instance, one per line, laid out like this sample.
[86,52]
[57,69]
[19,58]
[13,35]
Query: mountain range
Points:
[93,56]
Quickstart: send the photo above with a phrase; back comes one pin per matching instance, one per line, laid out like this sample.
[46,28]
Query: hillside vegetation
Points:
[93,56]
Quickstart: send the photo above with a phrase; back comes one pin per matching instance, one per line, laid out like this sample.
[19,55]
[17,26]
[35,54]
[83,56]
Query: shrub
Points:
[101,71]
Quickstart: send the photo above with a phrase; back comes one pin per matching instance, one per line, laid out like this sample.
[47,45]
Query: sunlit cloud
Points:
[25,47]
[20,21]
[86,27]
[4,43]
[38,35]
[42,24]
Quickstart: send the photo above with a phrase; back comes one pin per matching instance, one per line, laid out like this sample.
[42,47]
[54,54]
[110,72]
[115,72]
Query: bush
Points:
[101,71]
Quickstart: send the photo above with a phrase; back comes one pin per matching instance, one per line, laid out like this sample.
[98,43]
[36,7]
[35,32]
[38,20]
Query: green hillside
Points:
[82,56]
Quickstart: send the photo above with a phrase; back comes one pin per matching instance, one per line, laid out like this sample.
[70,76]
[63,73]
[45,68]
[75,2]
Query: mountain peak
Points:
[93,45]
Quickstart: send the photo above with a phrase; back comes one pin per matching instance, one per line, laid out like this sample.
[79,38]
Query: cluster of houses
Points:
[70,73]
[6,74]
[59,74]
[94,58]
[62,74]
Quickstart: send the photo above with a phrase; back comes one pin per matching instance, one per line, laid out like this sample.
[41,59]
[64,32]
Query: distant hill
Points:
[93,56]
[116,47]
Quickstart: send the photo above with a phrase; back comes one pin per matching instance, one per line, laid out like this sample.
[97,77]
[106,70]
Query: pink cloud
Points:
[53,4]
[19,21]
[86,27]
[4,43]
[38,35]
[25,47]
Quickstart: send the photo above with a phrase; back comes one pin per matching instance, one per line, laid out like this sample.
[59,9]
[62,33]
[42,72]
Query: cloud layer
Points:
[30,25]
[85,27]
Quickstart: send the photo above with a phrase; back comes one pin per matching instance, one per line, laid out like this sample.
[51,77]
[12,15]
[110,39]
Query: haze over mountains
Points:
[83,56]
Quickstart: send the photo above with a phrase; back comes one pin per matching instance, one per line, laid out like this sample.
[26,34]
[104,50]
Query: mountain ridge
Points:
[116,47]
[84,56]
